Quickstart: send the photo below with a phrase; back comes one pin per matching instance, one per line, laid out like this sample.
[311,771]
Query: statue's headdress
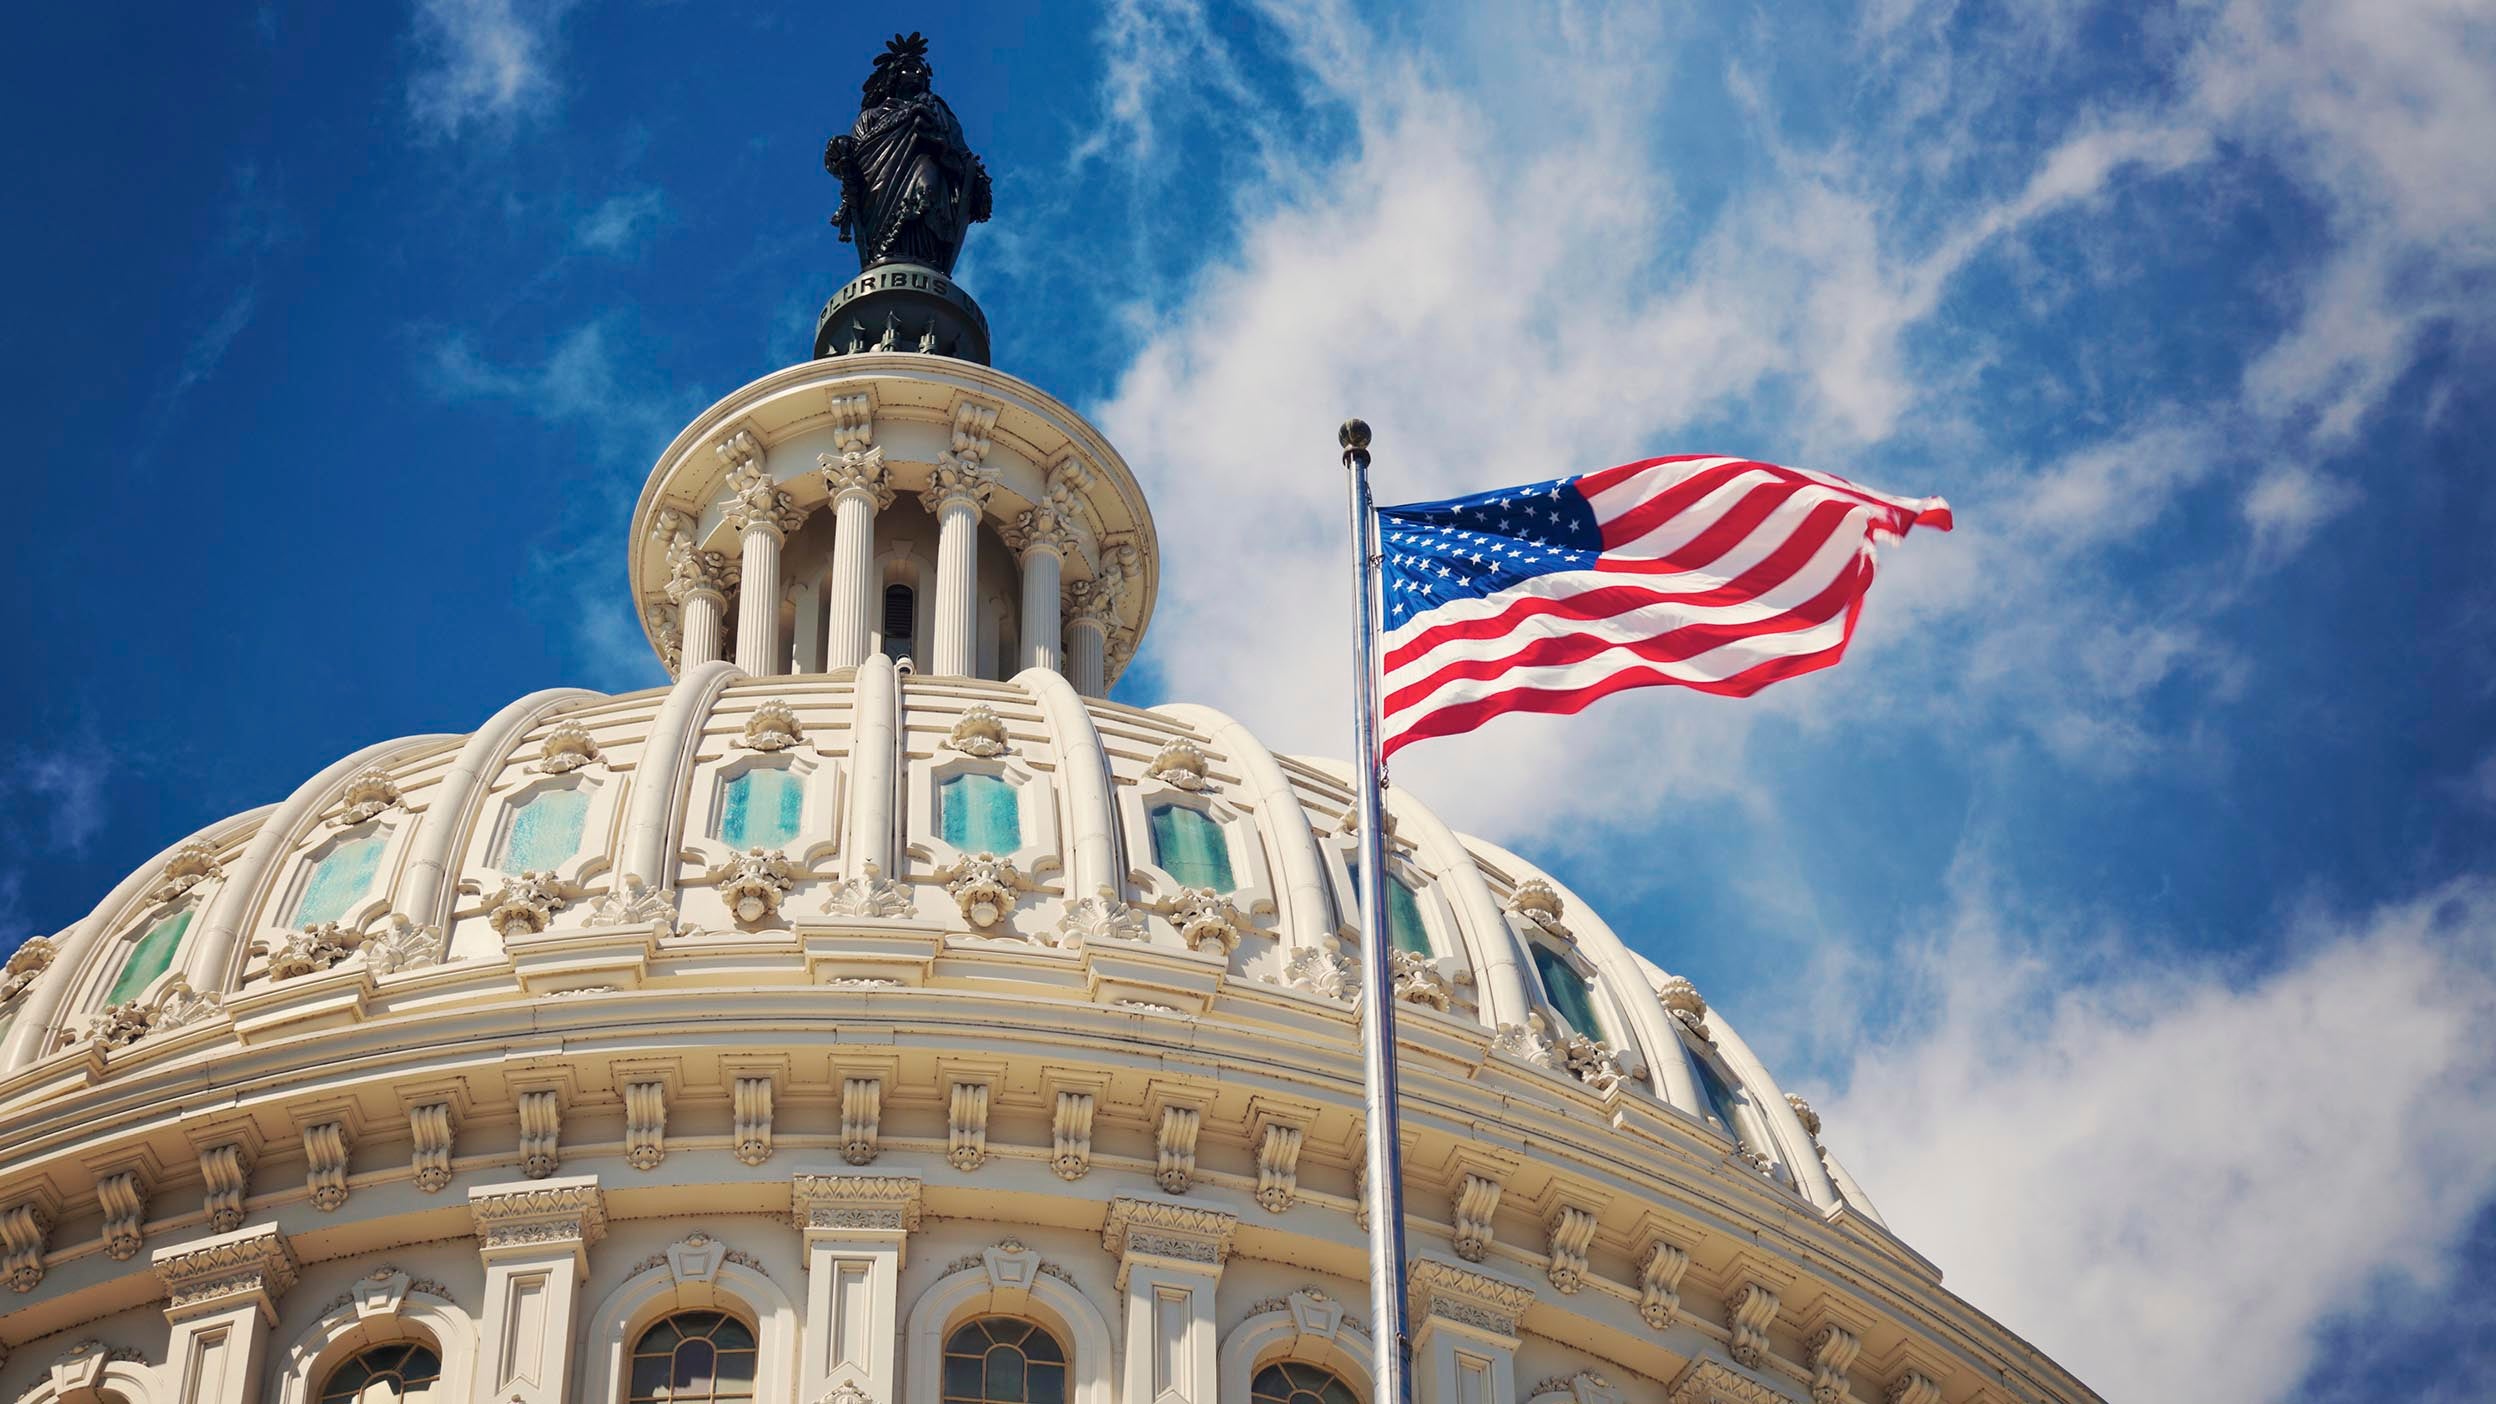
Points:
[904,57]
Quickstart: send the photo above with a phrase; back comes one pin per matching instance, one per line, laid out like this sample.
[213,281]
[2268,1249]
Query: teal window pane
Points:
[1404,928]
[979,814]
[150,956]
[1566,989]
[1720,1096]
[547,830]
[1190,847]
[340,880]
[763,808]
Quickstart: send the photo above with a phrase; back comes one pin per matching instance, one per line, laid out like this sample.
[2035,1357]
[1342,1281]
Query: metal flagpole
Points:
[1391,1352]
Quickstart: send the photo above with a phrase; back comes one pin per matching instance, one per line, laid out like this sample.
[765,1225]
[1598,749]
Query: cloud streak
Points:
[482,64]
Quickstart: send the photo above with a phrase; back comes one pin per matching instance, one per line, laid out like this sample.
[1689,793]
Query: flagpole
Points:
[1391,1356]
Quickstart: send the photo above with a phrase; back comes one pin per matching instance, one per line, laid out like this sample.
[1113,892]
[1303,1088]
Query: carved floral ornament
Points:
[368,793]
[307,952]
[526,902]
[634,902]
[1100,917]
[1539,903]
[1681,999]
[1180,764]
[174,1006]
[773,726]
[754,882]
[980,732]
[1204,916]
[567,748]
[191,864]
[870,894]
[25,963]
[1326,973]
[984,887]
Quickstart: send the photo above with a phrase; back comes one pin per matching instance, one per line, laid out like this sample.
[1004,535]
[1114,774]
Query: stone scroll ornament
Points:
[910,186]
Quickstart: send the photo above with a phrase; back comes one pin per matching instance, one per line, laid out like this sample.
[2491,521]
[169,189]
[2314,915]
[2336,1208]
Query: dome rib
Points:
[43,1008]
[215,963]
[452,812]
[1497,973]
[874,764]
[658,808]
[1091,837]
[1308,915]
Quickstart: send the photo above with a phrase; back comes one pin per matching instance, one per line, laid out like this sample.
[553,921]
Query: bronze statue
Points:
[910,186]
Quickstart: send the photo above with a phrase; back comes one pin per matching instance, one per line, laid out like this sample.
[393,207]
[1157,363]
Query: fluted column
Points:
[762,516]
[957,495]
[1092,617]
[1042,537]
[698,583]
[856,479]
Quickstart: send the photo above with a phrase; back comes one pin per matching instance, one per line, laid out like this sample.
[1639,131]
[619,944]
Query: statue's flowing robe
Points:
[914,177]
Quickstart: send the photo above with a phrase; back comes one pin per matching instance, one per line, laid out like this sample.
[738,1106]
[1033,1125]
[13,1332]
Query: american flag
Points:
[1715,573]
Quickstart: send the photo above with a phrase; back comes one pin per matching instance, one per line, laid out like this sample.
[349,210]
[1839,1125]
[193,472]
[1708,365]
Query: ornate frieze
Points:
[1659,1283]
[526,902]
[1571,1231]
[645,1124]
[754,882]
[875,1203]
[325,1146]
[430,1130]
[253,1266]
[868,895]
[1174,1148]
[773,726]
[122,1195]
[1070,1134]
[225,1172]
[1278,1166]
[1444,1292]
[980,732]
[541,1133]
[24,1229]
[570,1212]
[862,1114]
[1181,764]
[1475,1203]
[752,1105]
[966,1126]
[983,885]
[1747,1314]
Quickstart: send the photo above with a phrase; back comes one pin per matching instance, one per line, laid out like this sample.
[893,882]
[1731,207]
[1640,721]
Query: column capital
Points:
[854,1204]
[691,571]
[539,1218]
[756,503]
[857,471]
[252,1267]
[1176,1235]
[958,478]
[1044,526]
[1444,1293]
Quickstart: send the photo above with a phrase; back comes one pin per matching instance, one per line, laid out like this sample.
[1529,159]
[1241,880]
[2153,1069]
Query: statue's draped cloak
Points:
[915,194]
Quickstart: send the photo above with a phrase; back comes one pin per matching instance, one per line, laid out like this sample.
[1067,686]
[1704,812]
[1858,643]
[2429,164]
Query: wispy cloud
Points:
[482,63]
[2130,1168]
[620,222]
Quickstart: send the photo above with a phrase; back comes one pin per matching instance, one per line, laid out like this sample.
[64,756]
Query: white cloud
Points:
[620,221]
[2287,503]
[59,796]
[482,62]
[2167,1175]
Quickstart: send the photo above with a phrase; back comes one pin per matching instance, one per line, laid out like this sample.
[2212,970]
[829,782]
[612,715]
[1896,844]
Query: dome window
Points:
[693,1357]
[1567,990]
[1404,928]
[383,1375]
[1721,1098]
[1191,847]
[150,956]
[997,1359]
[762,808]
[340,880]
[1292,1382]
[901,611]
[979,813]
[546,830]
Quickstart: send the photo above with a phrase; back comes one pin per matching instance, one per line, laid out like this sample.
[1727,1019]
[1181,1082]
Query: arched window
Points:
[383,1375]
[1292,1382]
[979,813]
[546,831]
[1001,1360]
[150,955]
[761,808]
[1567,990]
[901,615]
[691,1357]
[340,880]
[1404,929]
[1191,847]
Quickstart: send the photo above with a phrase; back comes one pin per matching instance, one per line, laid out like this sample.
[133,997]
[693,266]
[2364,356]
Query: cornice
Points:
[878,1204]
[539,1214]
[249,1266]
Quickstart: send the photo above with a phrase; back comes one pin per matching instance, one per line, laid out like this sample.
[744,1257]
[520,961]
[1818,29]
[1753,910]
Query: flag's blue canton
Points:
[1473,546]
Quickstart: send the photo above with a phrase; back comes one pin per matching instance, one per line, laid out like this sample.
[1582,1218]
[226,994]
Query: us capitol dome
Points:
[879,1013]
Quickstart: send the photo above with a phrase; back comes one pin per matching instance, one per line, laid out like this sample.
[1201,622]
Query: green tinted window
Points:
[1404,928]
[1567,991]
[340,880]
[546,831]
[1191,847]
[762,809]
[150,956]
[978,813]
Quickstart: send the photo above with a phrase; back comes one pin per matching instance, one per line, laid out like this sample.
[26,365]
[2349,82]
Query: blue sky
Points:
[2125,902]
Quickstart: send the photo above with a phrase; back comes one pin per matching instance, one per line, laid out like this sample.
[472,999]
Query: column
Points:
[762,516]
[856,1228]
[221,1298]
[1087,639]
[1042,537]
[534,1236]
[855,477]
[806,650]
[957,495]
[698,584]
[1464,1334]
[1170,1258]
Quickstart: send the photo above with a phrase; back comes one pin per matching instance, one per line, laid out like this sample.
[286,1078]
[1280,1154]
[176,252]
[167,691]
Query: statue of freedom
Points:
[910,186]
